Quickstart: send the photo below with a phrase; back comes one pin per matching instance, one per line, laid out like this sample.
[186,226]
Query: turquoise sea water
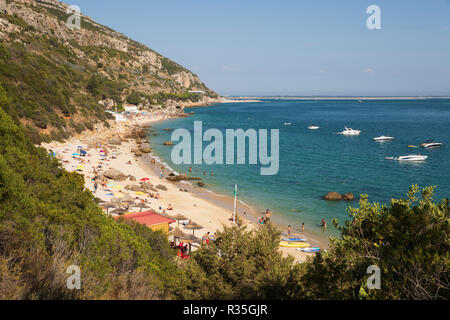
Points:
[314,162]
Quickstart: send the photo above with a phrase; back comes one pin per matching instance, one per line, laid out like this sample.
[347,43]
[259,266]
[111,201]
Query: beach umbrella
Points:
[141,205]
[179,217]
[140,193]
[145,179]
[109,205]
[177,233]
[193,226]
[75,154]
[119,211]
[80,167]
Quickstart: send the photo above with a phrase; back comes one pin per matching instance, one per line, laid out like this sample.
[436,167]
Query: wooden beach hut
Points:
[151,219]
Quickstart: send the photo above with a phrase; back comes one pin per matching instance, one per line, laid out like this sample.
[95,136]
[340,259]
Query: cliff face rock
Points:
[68,71]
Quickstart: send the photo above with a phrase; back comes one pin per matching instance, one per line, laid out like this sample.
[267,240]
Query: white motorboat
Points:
[350,132]
[313,127]
[287,123]
[431,144]
[383,138]
[412,157]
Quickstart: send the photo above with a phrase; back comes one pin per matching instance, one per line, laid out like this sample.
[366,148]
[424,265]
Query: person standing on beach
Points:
[205,238]
[324,223]
[289,230]
[95,187]
[268,215]
[162,174]
[190,169]
[303,227]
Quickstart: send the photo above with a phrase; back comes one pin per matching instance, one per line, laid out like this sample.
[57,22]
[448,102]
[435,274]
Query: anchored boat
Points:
[350,132]
[383,138]
[412,157]
[430,144]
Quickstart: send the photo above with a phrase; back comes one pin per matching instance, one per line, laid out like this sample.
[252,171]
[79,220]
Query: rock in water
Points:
[333,196]
[168,143]
[349,197]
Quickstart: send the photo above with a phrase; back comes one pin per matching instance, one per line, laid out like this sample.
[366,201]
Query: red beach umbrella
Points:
[145,179]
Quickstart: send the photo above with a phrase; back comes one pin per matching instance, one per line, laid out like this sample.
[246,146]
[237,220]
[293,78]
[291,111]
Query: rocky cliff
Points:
[56,73]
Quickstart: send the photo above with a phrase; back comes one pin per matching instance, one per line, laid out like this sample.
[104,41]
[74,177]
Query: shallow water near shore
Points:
[314,162]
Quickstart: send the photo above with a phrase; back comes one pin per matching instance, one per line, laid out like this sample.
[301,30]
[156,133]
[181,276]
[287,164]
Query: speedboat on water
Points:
[313,127]
[287,123]
[412,157]
[431,144]
[383,138]
[350,132]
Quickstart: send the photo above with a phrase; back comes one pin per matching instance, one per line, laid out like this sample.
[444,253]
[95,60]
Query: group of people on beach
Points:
[266,218]
[207,237]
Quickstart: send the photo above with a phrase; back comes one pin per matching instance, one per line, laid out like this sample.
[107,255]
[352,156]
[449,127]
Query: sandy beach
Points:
[210,210]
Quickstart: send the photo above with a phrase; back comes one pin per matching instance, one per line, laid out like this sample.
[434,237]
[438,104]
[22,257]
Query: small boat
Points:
[287,123]
[430,144]
[383,138]
[313,127]
[295,239]
[288,244]
[350,132]
[412,157]
[313,249]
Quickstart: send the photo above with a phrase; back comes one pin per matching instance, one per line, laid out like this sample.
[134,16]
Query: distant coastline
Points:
[258,98]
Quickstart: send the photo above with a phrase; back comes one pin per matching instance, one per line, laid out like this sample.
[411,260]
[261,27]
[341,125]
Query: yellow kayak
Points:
[294,244]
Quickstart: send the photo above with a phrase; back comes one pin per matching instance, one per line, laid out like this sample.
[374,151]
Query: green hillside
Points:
[55,76]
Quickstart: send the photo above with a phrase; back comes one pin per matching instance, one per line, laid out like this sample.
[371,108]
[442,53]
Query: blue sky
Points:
[294,47]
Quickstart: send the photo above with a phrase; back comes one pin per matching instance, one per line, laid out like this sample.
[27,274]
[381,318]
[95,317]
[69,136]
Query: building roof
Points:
[148,218]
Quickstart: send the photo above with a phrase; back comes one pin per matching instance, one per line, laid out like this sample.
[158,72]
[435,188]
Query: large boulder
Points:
[146,186]
[116,140]
[146,150]
[133,187]
[333,196]
[161,187]
[114,174]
